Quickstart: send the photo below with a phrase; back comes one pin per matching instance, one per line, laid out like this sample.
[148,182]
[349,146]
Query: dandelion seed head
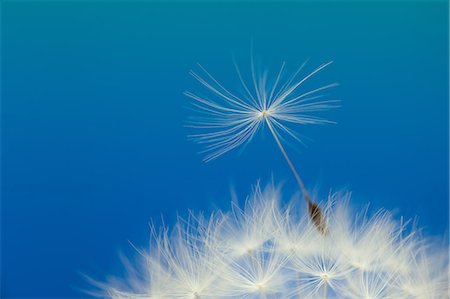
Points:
[209,258]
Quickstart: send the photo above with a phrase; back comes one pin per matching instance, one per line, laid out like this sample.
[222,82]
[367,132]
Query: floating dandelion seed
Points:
[230,120]
[208,258]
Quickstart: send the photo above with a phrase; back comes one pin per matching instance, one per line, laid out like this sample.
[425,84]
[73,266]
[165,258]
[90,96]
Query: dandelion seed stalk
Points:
[314,210]
[291,166]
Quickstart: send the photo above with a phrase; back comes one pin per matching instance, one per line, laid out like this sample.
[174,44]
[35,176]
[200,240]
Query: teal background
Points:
[93,138]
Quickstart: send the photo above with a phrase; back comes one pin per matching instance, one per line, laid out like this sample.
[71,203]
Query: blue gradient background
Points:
[93,143]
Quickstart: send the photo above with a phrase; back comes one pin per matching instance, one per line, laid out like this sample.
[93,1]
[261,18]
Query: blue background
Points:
[93,138]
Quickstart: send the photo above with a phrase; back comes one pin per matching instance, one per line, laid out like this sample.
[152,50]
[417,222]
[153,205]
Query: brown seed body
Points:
[317,217]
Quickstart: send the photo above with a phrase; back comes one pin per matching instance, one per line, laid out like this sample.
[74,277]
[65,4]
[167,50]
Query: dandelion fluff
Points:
[226,120]
[268,250]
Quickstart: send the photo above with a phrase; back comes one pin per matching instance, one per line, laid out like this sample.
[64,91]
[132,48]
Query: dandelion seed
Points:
[228,121]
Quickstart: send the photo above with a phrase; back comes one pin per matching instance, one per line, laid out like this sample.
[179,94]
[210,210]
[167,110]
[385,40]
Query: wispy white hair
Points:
[269,250]
[227,119]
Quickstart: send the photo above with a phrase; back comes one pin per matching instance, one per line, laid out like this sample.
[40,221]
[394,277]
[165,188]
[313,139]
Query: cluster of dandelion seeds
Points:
[268,250]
